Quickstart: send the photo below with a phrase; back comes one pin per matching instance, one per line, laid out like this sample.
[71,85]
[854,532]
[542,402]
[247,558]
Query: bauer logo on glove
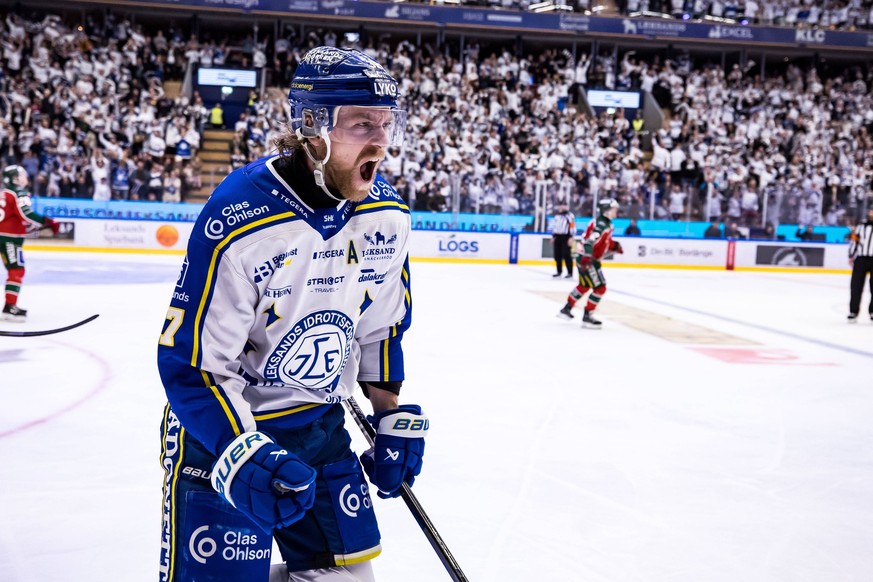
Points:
[269,484]
[398,449]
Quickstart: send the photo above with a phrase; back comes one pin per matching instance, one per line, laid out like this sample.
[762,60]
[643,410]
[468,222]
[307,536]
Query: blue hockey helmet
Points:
[329,78]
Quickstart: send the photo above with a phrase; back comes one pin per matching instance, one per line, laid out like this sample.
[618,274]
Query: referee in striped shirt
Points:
[563,236]
[861,259]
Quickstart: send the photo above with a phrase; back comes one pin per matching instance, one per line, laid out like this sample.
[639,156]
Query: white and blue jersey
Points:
[281,308]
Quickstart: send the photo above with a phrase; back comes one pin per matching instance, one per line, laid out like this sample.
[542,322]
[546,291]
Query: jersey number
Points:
[175,317]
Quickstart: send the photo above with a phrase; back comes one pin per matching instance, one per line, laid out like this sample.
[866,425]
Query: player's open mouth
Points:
[368,170]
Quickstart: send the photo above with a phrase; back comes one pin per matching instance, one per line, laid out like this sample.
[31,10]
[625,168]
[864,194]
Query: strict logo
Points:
[351,502]
[314,353]
[325,281]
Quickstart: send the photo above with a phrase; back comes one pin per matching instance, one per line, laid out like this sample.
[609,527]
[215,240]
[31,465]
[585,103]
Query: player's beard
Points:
[354,182]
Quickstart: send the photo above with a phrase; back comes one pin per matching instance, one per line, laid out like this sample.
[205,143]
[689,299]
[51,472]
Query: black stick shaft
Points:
[424,522]
[4,333]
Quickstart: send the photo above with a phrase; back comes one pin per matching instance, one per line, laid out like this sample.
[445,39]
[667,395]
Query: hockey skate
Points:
[589,321]
[853,318]
[565,313]
[14,313]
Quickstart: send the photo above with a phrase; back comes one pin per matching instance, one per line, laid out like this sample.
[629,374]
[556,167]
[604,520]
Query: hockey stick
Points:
[47,331]
[430,532]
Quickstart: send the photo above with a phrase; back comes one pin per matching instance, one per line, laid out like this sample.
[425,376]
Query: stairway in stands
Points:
[214,155]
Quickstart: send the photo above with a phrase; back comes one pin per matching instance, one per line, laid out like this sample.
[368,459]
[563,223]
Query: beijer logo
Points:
[267,268]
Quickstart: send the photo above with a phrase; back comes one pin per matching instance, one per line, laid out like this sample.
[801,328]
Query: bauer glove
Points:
[396,454]
[270,485]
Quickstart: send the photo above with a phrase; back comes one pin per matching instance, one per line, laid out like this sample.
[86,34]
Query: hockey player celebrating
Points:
[595,243]
[17,219]
[294,290]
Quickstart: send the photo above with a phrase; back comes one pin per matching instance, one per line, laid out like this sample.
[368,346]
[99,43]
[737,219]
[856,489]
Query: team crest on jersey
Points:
[314,353]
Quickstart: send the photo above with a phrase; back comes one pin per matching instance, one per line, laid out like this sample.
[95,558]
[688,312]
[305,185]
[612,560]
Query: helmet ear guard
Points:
[311,122]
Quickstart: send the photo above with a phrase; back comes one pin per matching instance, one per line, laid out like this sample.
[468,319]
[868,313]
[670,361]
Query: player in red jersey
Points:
[17,219]
[596,242]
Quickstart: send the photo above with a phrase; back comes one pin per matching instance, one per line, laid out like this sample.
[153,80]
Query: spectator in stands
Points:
[216,116]
[806,233]
[172,186]
[732,231]
[713,231]
[632,228]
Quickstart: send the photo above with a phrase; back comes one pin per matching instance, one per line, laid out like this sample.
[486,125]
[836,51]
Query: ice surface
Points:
[717,429]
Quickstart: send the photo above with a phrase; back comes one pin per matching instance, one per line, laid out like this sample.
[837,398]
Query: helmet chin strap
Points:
[318,172]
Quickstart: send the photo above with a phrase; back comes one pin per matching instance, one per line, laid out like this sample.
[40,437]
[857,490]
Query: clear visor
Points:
[354,124]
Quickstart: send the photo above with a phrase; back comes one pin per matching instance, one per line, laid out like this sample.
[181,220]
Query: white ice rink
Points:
[718,429]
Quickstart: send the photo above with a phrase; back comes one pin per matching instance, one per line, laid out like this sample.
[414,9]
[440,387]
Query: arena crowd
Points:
[84,111]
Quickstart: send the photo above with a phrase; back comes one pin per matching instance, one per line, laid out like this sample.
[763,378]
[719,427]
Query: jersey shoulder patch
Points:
[382,196]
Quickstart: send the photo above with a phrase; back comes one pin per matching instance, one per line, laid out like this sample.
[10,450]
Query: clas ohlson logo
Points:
[313,354]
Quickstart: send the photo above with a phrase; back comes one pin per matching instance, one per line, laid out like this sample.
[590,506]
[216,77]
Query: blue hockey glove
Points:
[270,485]
[398,448]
